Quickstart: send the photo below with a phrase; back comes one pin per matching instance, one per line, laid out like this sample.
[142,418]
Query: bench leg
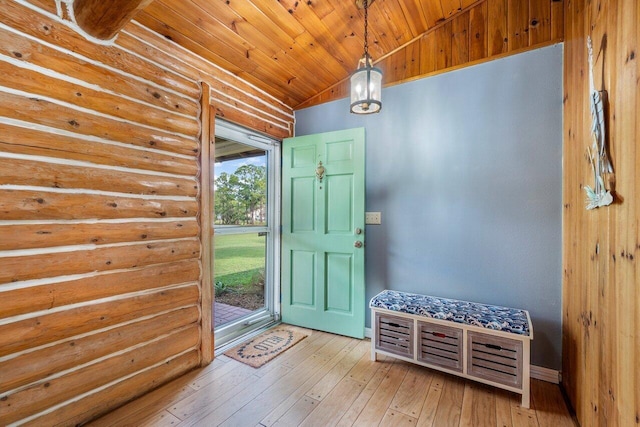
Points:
[374,355]
[526,390]
[525,398]
[526,374]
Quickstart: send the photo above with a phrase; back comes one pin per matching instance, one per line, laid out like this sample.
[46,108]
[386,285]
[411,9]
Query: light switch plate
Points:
[373,218]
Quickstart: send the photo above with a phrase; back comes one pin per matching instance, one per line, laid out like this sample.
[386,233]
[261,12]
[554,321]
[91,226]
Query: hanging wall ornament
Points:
[598,195]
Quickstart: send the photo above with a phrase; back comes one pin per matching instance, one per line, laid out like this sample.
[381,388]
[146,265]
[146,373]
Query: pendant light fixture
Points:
[366,81]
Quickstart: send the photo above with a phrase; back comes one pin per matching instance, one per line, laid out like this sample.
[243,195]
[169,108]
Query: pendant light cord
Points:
[366,38]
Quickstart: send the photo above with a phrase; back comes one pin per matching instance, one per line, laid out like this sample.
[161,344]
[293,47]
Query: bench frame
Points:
[469,333]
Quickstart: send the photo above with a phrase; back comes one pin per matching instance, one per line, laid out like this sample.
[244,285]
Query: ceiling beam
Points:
[103,19]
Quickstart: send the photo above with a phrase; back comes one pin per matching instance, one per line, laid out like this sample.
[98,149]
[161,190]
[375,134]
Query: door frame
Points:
[271,313]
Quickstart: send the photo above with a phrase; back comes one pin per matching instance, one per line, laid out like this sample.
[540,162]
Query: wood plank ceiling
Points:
[294,49]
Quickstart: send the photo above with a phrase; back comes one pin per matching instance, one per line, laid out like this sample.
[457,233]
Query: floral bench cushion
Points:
[494,317]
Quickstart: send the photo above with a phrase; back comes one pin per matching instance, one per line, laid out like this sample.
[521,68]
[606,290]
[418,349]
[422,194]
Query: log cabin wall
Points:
[601,283]
[486,30]
[100,234]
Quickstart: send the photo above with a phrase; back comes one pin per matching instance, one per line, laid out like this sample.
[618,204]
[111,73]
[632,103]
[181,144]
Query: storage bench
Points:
[485,343]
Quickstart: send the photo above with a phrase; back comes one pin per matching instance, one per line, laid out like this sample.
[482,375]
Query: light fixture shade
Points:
[366,89]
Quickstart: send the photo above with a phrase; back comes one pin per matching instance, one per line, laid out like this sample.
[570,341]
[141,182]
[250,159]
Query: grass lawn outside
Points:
[239,270]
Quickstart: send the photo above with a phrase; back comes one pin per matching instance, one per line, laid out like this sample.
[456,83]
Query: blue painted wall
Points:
[466,168]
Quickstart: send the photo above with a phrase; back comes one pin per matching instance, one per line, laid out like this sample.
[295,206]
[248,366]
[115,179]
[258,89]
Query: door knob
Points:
[358,230]
[357,244]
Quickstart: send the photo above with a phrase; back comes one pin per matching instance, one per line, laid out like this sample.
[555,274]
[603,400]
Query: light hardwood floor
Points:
[328,380]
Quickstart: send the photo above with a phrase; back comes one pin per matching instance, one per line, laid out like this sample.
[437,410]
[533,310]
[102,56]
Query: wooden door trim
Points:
[207,123]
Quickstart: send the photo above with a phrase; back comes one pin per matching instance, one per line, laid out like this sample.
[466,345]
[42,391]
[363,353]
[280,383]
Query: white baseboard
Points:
[537,372]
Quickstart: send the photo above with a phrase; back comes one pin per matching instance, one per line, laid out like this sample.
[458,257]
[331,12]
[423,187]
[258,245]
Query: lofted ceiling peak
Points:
[302,52]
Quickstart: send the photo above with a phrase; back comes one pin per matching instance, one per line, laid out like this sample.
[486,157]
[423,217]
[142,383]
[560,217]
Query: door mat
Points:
[267,345]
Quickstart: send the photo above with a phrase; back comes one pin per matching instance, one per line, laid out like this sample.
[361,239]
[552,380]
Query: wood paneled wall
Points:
[485,31]
[100,212]
[601,283]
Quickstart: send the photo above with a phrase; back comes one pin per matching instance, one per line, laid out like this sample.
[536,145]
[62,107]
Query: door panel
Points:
[322,269]
[338,283]
[339,151]
[303,157]
[303,274]
[339,206]
[303,204]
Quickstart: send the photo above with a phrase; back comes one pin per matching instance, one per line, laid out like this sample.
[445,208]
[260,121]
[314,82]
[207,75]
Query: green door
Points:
[323,232]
